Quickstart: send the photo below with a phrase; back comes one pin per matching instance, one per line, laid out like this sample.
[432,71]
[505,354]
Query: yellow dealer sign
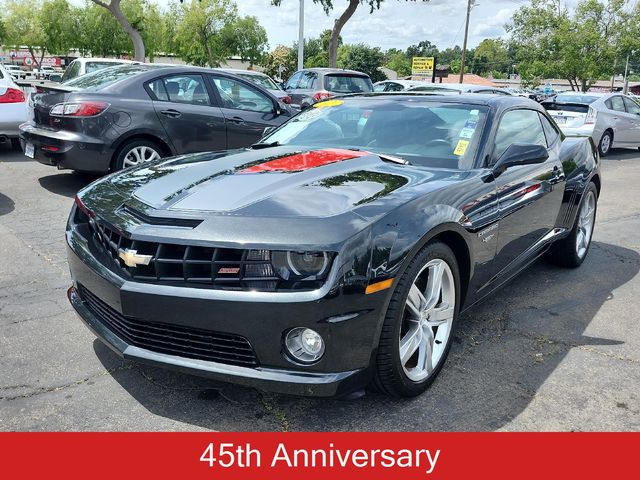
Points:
[422,66]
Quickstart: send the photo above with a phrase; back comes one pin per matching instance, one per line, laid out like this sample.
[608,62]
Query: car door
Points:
[188,113]
[247,111]
[633,117]
[529,196]
[307,86]
[618,120]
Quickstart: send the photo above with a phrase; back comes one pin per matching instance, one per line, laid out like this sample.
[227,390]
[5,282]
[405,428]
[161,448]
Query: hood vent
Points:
[161,221]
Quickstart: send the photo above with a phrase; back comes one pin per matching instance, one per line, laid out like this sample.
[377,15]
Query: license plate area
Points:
[30,150]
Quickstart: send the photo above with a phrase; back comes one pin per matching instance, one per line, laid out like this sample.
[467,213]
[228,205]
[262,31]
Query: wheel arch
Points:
[166,149]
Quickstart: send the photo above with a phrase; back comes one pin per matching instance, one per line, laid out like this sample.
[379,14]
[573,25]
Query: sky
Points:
[397,24]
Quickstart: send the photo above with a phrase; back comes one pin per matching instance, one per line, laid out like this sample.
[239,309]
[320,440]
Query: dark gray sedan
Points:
[122,116]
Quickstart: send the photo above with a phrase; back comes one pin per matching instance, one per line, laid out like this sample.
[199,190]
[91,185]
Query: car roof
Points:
[328,71]
[241,71]
[97,59]
[497,101]
[406,83]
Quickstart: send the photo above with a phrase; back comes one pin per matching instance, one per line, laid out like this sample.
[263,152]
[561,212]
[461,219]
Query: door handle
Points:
[237,120]
[171,113]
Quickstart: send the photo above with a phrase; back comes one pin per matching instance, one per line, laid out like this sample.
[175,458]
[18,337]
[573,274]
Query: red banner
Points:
[320,456]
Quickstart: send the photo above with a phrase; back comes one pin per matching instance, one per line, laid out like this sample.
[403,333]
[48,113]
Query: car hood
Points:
[281,182]
[324,195]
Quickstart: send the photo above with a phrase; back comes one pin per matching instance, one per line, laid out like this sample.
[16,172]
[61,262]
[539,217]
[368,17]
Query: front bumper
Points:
[75,151]
[348,323]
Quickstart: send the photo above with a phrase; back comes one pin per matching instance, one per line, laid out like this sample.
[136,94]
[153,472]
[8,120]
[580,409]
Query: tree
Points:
[113,6]
[23,27]
[397,61]
[203,31]
[489,56]
[57,30]
[250,39]
[581,47]
[362,58]
[281,63]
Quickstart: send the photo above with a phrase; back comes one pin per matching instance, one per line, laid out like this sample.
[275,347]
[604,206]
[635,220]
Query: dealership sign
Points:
[423,66]
[27,58]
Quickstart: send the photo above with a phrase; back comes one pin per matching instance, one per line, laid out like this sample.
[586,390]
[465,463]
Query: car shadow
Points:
[66,184]
[503,351]
[6,205]
[619,154]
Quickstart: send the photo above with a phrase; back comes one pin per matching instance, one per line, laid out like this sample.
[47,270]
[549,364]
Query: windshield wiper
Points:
[259,145]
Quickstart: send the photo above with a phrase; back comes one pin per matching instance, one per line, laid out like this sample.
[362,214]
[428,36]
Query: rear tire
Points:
[137,151]
[604,147]
[406,364]
[571,251]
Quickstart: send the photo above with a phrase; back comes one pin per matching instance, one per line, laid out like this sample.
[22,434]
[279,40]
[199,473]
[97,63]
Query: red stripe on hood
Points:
[305,161]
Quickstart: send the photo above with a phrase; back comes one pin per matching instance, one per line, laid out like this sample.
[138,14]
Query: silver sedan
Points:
[611,119]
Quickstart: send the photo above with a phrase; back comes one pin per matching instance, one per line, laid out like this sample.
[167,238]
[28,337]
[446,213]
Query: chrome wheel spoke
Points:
[410,343]
[425,352]
[586,218]
[440,315]
[434,285]
[416,301]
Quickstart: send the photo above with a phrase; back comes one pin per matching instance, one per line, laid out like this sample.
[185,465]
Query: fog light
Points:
[304,345]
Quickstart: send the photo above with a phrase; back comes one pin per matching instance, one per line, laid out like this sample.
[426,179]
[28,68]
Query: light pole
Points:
[470,5]
[301,37]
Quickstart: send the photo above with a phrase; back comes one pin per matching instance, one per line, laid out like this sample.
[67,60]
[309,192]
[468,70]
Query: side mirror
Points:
[520,154]
[55,78]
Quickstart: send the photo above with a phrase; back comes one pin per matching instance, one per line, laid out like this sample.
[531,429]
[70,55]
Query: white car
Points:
[80,66]
[611,119]
[13,108]
[16,72]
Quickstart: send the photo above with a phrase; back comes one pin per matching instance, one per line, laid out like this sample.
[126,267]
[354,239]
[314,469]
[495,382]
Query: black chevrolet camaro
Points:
[340,250]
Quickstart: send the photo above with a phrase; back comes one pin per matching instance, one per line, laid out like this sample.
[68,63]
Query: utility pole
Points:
[625,88]
[466,35]
[301,37]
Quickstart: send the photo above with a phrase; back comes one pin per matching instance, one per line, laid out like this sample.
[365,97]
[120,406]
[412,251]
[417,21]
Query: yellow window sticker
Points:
[328,103]
[461,147]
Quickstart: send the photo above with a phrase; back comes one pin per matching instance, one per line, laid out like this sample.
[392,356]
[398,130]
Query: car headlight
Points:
[301,265]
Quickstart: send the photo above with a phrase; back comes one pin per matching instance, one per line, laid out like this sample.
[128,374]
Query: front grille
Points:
[173,339]
[223,268]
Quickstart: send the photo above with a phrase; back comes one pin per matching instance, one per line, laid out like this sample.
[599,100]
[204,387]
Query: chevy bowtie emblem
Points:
[131,258]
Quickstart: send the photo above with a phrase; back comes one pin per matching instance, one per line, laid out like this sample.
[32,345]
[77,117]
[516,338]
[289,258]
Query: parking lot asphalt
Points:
[554,350]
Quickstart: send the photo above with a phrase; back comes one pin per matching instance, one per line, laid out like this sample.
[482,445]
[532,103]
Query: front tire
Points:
[135,152]
[571,251]
[418,327]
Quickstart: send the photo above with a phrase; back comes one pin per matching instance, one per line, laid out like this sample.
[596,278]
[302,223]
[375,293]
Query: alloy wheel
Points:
[586,219]
[138,155]
[427,320]
[605,144]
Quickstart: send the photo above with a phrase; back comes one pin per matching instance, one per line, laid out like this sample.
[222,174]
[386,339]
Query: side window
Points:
[186,89]
[293,81]
[308,80]
[616,103]
[71,71]
[549,130]
[238,96]
[158,90]
[518,126]
[393,87]
[380,87]
[632,107]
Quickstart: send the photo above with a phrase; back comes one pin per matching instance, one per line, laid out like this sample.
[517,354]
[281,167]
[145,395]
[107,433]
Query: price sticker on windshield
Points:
[461,147]
[328,103]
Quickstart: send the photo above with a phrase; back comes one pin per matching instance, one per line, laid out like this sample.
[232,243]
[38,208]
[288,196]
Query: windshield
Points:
[426,133]
[102,78]
[260,80]
[347,83]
